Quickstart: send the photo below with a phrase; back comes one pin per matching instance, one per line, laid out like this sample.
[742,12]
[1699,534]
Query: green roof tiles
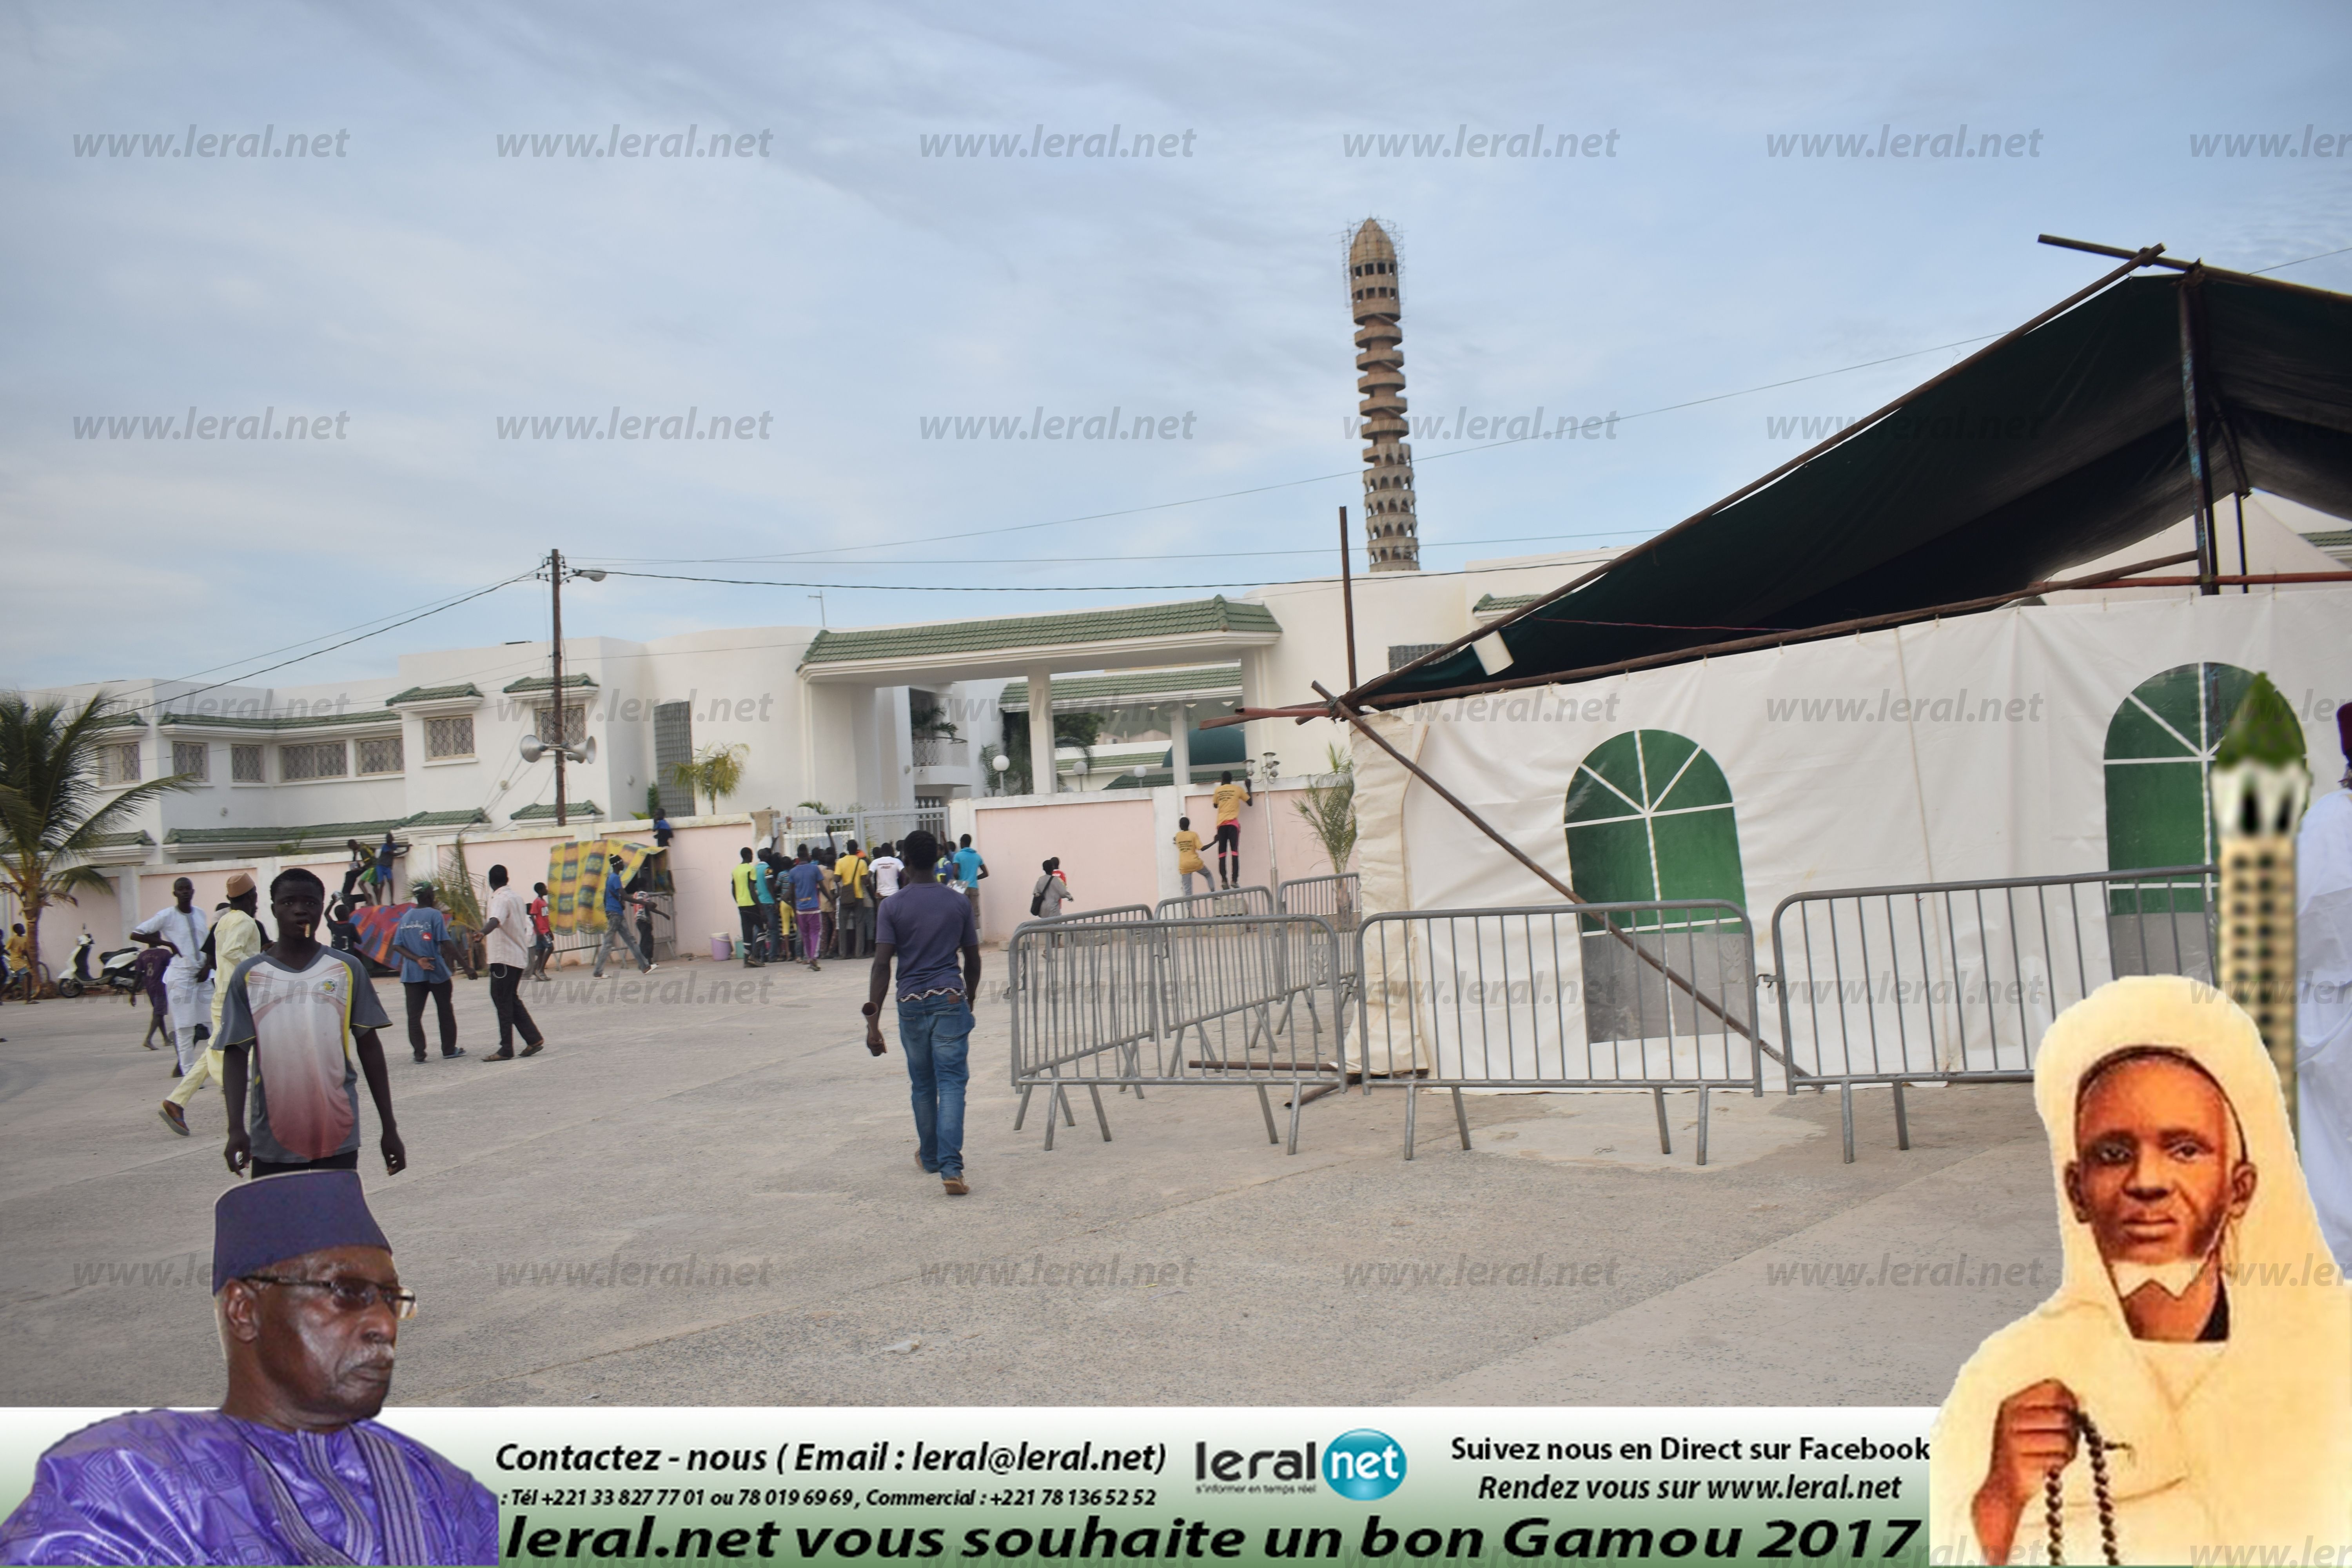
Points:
[120,840]
[585,810]
[2335,541]
[1131,686]
[1498,604]
[118,722]
[547,683]
[433,694]
[323,832]
[277,724]
[1073,627]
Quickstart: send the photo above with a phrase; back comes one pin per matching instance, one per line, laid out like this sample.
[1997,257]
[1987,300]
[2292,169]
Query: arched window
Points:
[1649,815]
[2160,752]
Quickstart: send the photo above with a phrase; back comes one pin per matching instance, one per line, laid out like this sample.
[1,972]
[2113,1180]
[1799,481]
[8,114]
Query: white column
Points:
[1179,746]
[1043,779]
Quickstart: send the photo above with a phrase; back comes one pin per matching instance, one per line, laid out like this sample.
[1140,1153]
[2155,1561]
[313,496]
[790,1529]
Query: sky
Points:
[469,296]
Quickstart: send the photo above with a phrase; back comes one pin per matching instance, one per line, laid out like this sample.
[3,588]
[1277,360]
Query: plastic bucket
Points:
[722,947]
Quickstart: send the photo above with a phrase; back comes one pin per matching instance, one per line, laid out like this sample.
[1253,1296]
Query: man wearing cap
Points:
[235,936]
[180,928]
[305,1018]
[2322,1002]
[293,1467]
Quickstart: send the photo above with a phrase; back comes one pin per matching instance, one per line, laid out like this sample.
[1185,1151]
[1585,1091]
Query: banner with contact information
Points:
[669,1485]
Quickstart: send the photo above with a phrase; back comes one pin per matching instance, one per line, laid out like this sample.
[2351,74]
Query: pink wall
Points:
[702,861]
[1107,848]
[1299,853]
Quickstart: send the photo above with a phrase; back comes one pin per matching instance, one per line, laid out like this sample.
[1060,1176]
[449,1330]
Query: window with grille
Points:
[313,759]
[575,724]
[192,758]
[380,754]
[118,762]
[450,736]
[673,745]
[245,764]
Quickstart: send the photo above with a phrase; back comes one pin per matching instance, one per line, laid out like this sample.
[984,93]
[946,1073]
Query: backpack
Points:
[1037,899]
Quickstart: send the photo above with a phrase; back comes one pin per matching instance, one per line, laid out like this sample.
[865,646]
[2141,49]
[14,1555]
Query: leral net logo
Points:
[1363,1465]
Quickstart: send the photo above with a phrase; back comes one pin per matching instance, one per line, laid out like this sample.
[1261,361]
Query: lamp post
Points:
[1000,762]
[556,572]
[1272,768]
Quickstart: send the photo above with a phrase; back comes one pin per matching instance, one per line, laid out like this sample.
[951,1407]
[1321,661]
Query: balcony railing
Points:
[938,751]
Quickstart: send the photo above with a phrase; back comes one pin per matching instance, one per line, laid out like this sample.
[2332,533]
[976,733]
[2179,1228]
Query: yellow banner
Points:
[575,880]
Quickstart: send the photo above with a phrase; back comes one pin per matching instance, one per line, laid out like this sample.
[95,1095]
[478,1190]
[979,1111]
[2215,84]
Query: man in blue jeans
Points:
[924,926]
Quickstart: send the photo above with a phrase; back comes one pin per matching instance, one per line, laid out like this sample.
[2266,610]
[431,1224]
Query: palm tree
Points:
[716,770]
[1329,809]
[52,810]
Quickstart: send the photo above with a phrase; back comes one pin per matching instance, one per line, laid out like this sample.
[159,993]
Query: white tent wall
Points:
[1828,789]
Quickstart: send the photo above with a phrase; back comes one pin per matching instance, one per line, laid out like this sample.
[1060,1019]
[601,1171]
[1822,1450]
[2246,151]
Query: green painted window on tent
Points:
[2159,756]
[1649,815]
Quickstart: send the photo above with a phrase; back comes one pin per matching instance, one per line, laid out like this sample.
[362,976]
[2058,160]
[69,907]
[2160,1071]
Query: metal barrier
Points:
[1166,1003]
[1338,900]
[1113,914]
[1652,996]
[1954,981]
[1251,900]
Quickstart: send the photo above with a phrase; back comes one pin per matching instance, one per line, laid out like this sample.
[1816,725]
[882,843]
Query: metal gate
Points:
[1536,998]
[1954,981]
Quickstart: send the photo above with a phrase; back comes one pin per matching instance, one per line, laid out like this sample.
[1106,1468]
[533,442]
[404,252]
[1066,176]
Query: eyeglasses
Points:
[350,1294]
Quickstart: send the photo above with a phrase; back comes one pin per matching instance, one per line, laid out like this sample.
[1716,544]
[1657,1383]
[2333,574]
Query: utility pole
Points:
[1347,598]
[563,735]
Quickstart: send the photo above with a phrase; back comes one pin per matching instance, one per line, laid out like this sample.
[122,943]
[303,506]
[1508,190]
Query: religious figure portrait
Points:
[2188,1389]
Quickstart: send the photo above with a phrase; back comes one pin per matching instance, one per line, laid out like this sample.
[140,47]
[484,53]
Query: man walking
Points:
[503,932]
[971,870]
[747,909]
[1052,892]
[773,894]
[807,880]
[187,998]
[1229,800]
[235,936]
[617,926]
[308,1017]
[924,927]
[542,932]
[421,938]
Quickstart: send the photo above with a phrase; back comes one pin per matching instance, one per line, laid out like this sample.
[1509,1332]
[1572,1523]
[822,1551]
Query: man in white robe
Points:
[2200,1324]
[2323,1000]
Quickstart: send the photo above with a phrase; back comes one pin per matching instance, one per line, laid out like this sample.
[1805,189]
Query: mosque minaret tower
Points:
[1392,533]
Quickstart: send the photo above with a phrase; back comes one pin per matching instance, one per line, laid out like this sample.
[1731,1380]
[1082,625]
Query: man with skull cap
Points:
[293,1467]
[2186,1394]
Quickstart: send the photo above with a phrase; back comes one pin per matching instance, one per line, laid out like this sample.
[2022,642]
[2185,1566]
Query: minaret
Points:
[1391,529]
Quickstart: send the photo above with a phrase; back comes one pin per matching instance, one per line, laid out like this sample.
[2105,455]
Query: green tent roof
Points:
[2065,444]
[1217,614]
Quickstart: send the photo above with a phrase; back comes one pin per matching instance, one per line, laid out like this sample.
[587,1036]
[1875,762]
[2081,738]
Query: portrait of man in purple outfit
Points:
[293,1467]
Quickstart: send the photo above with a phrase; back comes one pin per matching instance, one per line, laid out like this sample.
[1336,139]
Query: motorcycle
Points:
[117,972]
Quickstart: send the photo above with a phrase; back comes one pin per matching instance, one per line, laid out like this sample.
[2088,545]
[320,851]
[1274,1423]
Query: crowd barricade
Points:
[1168,1003]
[1653,995]
[1251,900]
[1954,981]
[1338,900]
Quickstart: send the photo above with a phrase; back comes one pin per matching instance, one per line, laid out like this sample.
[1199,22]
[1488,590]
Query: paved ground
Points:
[672,1135]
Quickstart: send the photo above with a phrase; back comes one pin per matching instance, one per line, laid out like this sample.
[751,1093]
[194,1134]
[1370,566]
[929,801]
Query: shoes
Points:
[454,1054]
[419,1055]
[954,1185]
[927,1169]
[812,968]
[534,1047]
[499,1057]
[174,1117]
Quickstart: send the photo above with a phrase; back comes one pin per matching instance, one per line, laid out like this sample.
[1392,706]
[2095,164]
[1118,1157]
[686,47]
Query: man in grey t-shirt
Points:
[302,1019]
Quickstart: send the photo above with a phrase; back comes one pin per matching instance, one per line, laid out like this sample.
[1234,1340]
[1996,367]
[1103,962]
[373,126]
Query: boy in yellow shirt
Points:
[1229,800]
[1189,864]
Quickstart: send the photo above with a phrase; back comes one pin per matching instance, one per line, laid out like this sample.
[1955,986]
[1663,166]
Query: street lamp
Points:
[1000,762]
[1272,768]
[556,571]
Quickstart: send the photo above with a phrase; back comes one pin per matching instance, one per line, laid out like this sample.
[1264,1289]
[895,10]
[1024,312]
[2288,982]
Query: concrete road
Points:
[705,1193]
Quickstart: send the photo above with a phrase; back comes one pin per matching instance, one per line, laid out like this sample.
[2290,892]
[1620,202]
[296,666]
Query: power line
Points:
[2299,261]
[1261,489]
[1069,560]
[1023,588]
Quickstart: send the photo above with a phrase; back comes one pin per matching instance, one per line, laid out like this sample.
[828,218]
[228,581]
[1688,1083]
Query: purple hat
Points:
[272,1218]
